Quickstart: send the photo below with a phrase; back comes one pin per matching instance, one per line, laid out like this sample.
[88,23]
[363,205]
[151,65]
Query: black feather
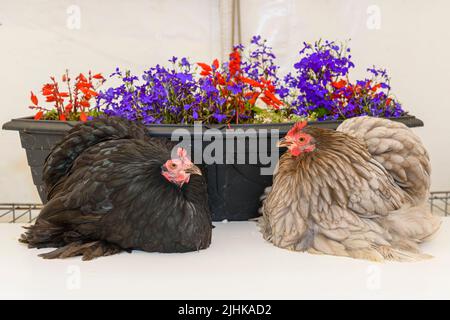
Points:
[106,194]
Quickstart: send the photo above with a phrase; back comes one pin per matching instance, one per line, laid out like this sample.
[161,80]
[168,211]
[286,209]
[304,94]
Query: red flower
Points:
[80,93]
[254,97]
[266,101]
[83,117]
[376,87]
[93,93]
[83,85]
[220,79]
[204,66]
[48,89]
[235,63]
[335,96]
[47,92]
[275,102]
[339,84]
[252,82]
[49,86]
[268,84]
[215,64]
[85,103]
[38,115]
[81,77]
[206,69]
[235,55]
[34,99]
[224,91]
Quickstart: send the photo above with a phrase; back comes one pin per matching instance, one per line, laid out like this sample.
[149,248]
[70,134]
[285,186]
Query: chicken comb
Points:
[297,128]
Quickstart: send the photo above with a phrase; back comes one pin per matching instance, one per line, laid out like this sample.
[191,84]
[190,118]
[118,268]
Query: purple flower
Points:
[185,62]
[116,72]
[255,40]
[208,88]
[235,88]
[184,77]
[322,64]
[160,93]
[219,117]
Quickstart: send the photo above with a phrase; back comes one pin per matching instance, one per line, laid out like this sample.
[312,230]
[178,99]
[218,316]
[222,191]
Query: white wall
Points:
[35,42]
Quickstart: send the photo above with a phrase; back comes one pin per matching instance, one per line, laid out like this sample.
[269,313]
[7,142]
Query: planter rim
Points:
[29,125]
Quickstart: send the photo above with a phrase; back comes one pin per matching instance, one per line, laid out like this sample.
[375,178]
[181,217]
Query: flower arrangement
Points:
[186,92]
[236,85]
[160,95]
[320,88]
[73,104]
[245,89]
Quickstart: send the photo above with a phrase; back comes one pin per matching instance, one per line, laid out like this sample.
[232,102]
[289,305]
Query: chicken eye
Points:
[301,139]
[173,165]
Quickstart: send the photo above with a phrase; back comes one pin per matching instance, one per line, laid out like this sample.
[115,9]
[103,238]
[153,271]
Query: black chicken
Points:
[111,187]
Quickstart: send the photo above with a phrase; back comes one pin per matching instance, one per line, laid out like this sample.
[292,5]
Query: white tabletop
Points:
[238,265]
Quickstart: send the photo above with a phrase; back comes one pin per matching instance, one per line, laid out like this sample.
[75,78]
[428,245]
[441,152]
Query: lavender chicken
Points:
[360,192]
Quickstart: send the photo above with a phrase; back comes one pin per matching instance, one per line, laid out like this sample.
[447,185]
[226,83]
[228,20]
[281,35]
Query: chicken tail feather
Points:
[43,235]
[89,250]
[394,254]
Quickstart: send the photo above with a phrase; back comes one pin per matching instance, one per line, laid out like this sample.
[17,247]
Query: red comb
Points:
[297,128]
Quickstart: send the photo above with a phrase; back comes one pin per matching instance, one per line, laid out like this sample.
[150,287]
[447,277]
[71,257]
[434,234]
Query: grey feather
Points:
[361,193]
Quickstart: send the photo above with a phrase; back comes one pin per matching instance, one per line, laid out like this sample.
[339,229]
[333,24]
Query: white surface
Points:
[239,264]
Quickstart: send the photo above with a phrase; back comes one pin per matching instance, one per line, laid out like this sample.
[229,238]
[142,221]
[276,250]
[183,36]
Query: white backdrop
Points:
[40,38]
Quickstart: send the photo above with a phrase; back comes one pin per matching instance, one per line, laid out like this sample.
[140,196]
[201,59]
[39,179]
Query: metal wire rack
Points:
[440,202]
[27,212]
[19,212]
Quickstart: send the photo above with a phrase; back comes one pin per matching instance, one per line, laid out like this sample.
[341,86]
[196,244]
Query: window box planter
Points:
[233,189]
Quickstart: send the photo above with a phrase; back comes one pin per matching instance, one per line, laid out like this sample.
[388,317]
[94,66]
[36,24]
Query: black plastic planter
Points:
[233,189]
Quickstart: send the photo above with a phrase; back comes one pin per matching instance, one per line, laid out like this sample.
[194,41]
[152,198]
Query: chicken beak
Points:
[282,143]
[194,170]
